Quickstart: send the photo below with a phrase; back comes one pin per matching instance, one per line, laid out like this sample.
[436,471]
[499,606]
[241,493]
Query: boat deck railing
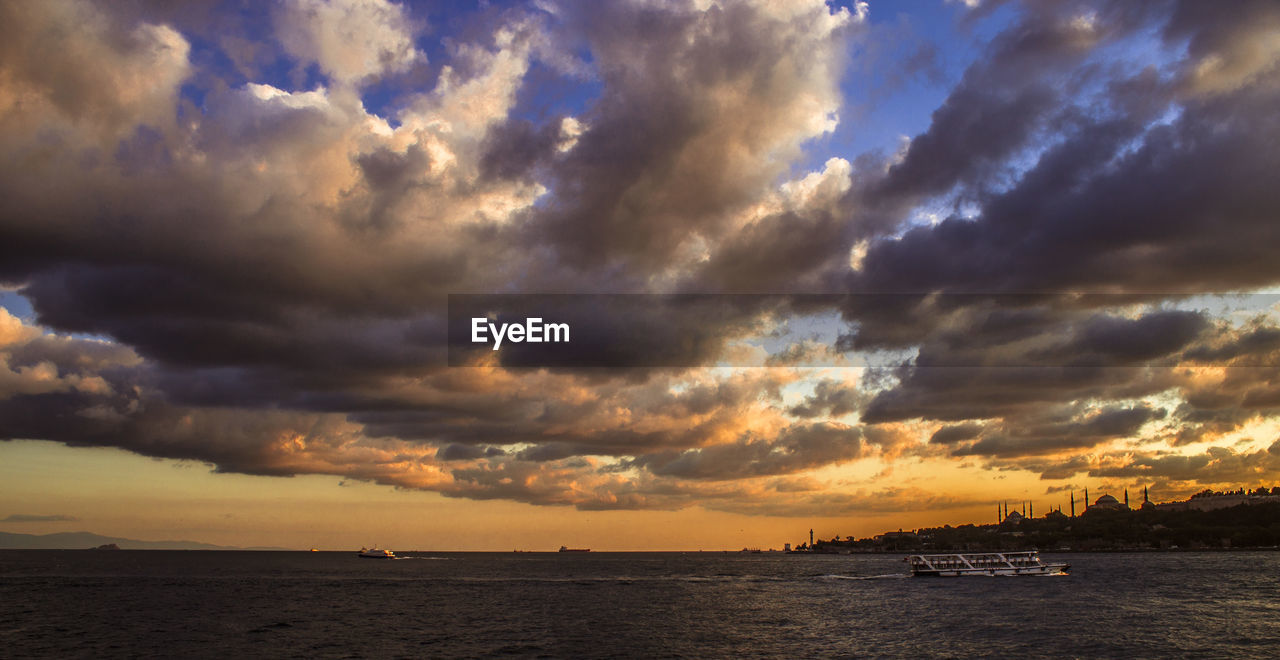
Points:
[975,561]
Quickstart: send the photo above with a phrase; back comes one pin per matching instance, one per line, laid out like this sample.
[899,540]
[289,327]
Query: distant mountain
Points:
[86,540]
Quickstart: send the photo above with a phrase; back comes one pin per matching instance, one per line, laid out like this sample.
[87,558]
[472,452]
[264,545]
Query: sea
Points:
[227,604]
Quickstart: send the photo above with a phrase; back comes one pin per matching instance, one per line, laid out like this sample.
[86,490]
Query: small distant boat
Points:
[375,553]
[568,549]
[983,563]
[315,550]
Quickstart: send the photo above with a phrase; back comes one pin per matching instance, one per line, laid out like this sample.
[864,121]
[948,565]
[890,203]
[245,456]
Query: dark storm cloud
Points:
[950,435]
[991,128]
[796,448]
[1003,103]
[1040,358]
[830,398]
[513,149]
[1190,210]
[978,393]
[467,452]
[795,248]
[1005,363]
[1253,344]
[1017,329]
[82,419]
[1215,465]
[191,323]
[1117,341]
[1027,435]
[1090,214]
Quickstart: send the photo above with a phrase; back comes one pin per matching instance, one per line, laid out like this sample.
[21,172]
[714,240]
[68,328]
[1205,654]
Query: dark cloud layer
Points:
[796,448]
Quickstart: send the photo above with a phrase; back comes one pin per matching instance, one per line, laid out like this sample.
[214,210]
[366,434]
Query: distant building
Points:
[1217,501]
[1014,518]
[1107,503]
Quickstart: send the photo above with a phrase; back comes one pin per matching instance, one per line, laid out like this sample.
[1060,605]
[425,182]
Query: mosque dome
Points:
[1108,502]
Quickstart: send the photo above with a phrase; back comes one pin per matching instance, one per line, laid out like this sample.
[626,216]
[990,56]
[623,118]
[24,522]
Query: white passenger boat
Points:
[375,553]
[983,563]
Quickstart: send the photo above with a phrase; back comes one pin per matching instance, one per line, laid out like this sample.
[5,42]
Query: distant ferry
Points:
[375,553]
[567,549]
[983,563]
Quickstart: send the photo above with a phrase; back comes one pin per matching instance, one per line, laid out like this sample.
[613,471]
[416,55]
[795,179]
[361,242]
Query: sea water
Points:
[651,605]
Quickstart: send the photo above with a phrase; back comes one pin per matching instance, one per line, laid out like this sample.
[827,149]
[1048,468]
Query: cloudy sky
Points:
[228,234]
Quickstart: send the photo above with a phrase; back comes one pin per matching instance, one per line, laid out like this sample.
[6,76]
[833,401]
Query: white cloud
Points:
[349,39]
[820,189]
[464,106]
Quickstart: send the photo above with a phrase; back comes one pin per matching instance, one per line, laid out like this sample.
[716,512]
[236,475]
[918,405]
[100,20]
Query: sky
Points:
[1046,235]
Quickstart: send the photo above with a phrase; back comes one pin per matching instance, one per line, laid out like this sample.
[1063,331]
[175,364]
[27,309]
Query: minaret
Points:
[1024,508]
[1031,509]
[1073,504]
[1086,499]
[1126,498]
[1144,495]
[810,537]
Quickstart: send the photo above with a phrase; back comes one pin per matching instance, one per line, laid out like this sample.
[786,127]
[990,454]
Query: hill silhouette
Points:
[86,540]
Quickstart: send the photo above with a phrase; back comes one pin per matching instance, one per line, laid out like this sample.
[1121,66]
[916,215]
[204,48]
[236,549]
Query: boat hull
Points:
[1047,569]
[983,564]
